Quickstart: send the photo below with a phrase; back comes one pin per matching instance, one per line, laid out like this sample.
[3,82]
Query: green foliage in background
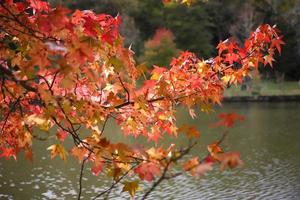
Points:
[202,25]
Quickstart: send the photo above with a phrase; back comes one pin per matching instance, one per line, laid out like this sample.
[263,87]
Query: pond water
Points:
[268,140]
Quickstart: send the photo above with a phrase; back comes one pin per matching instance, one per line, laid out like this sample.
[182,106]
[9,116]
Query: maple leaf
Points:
[34,119]
[156,153]
[231,58]
[39,5]
[229,159]
[89,26]
[115,173]
[228,119]
[57,149]
[7,153]
[44,24]
[190,164]
[61,135]
[202,168]
[214,149]
[97,168]
[79,152]
[277,42]
[207,108]
[157,72]
[130,187]
[222,46]
[268,59]
[147,171]
[191,132]
[155,136]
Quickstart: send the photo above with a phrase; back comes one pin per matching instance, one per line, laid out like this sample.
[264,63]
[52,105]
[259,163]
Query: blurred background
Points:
[157,32]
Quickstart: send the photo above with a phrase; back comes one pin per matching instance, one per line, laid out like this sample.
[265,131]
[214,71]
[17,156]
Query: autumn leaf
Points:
[190,164]
[190,131]
[79,152]
[229,159]
[147,171]
[231,58]
[202,168]
[222,46]
[39,5]
[115,173]
[228,119]
[39,121]
[268,59]
[97,168]
[187,2]
[130,187]
[7,153]
[207,108]
[157,72]
[277,42]
[61,135]
[214,149]
[57,149]
[28,154]
[156,153]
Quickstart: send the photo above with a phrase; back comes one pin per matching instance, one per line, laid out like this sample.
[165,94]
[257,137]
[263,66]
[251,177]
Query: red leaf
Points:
[228,119]
[277,42]
[7,153]
[147,171]
[231,58]
[61,135]
[221,47]
[97,168]
[89,26]
[39,5]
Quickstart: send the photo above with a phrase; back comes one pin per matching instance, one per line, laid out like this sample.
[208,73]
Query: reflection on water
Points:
[269,143]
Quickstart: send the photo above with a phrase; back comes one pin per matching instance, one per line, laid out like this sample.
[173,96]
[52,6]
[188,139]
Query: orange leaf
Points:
[229,159]
[190,131]
[214,149]
[190,164]
[147,171]
[130,187]
[7,153]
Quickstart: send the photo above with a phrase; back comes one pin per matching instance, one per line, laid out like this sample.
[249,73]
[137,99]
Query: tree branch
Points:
[81,174]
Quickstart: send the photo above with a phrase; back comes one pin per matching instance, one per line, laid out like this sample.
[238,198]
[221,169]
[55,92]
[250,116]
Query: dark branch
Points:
[81,175]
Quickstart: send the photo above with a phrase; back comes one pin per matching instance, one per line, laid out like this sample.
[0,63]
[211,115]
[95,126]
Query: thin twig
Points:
[81,174]
[8,114]
[115,183]
[166,168]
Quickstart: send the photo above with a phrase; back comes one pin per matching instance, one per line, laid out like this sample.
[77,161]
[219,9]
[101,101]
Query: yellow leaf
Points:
[34,119]
[155,76]
[226,79]
[207,108]
[116,63]
[131,187]
[57,149]
[187,2]
[115,173]
[42,123]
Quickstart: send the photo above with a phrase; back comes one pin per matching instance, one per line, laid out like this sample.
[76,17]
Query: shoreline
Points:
[263,98]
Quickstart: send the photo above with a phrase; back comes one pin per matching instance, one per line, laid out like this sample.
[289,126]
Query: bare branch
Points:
[81,174]
[114,184]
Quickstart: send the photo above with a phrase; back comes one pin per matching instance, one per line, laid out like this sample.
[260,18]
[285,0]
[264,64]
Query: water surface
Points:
[269,143]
